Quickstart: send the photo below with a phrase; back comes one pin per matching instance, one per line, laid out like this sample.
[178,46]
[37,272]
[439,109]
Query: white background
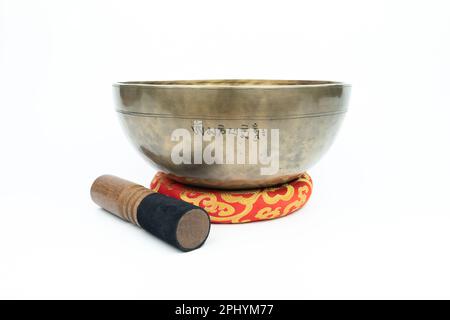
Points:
[378,222]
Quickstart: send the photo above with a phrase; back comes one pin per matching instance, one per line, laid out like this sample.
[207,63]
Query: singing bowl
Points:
[307,115]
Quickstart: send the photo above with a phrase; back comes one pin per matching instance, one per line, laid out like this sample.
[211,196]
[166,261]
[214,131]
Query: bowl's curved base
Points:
[240,206]
[234,184]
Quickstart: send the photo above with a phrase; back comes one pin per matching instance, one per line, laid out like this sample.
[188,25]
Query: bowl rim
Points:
[232,84]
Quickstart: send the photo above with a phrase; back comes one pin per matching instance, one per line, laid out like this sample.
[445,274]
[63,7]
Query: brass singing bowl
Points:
[307,115]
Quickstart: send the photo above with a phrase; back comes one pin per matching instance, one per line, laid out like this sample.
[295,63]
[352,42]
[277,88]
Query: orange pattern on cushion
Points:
[230,206]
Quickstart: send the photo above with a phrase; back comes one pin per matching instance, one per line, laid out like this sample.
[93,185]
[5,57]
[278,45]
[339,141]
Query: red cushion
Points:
[230,206]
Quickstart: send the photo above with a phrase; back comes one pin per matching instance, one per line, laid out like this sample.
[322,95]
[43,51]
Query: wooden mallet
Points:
[179,223]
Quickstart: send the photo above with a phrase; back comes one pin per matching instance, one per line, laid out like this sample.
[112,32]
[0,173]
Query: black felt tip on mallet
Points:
[179,223]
